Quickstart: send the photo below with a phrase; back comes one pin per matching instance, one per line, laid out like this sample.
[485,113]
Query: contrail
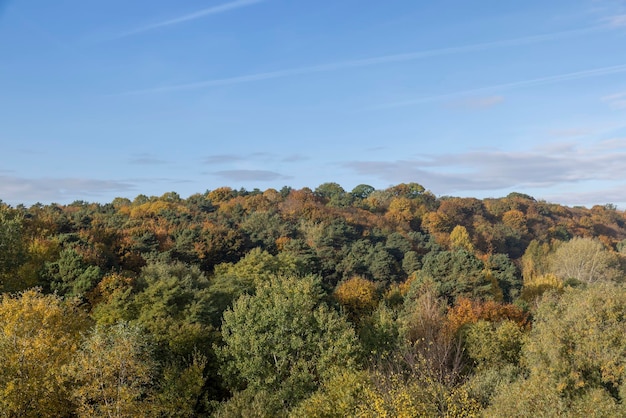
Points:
[366,62]
[192,16]
[596,72]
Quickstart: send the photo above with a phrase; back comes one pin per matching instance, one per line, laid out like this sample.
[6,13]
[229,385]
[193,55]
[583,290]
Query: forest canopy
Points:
[312,302]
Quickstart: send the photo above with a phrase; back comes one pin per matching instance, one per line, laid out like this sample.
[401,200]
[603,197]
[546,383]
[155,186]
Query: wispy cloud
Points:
[261,155]
[146,159]
[559,78]
[222,8]
[616,101]
[592,197]
[294,158]
[477,103]
[250,175]
[569,132]
[222,158]
[616,21]
[611,144]
[495,170]
[15,189]
[559,147]
[366,62]
[255,156]
[31,151]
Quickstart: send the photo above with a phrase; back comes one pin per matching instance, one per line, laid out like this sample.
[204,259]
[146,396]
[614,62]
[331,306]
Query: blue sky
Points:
[102,99]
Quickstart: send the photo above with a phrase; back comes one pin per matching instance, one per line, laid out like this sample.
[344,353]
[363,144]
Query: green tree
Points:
[252,404]
[491,344]
[284,339]
[12,252]
[333,194]
[232,280]
[506,274]
[70,275]
[182,390]
[172,303]
[384,267]
[408,190]
[398,245]
[457,273]
[258,266]
[575,357]
[411,262]
[379,333]
[264,228]
[494,348]
[362,191]
[357,259]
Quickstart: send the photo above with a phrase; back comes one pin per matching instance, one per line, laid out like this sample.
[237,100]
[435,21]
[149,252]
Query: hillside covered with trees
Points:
[313,303]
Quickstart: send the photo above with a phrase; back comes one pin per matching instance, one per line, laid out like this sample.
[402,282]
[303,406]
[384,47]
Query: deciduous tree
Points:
[585,260]
[113,373]
[284,339]
[39,336]
[575,357]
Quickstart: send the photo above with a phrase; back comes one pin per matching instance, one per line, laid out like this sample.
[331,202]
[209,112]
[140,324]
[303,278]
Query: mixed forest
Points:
[313,303]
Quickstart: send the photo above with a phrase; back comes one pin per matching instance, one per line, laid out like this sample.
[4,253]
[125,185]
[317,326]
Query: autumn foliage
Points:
[358,295]
[466,311]
[312,302]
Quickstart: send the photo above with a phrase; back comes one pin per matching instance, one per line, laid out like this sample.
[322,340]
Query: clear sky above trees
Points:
[115,98]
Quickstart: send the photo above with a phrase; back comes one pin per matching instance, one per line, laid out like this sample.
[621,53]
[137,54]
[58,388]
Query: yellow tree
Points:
[538,285]
[358,296]
[112,373]
[39,252]
[39,335]
[535,261]
[460,239]
[414,394]
[401,210]
[516,220]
